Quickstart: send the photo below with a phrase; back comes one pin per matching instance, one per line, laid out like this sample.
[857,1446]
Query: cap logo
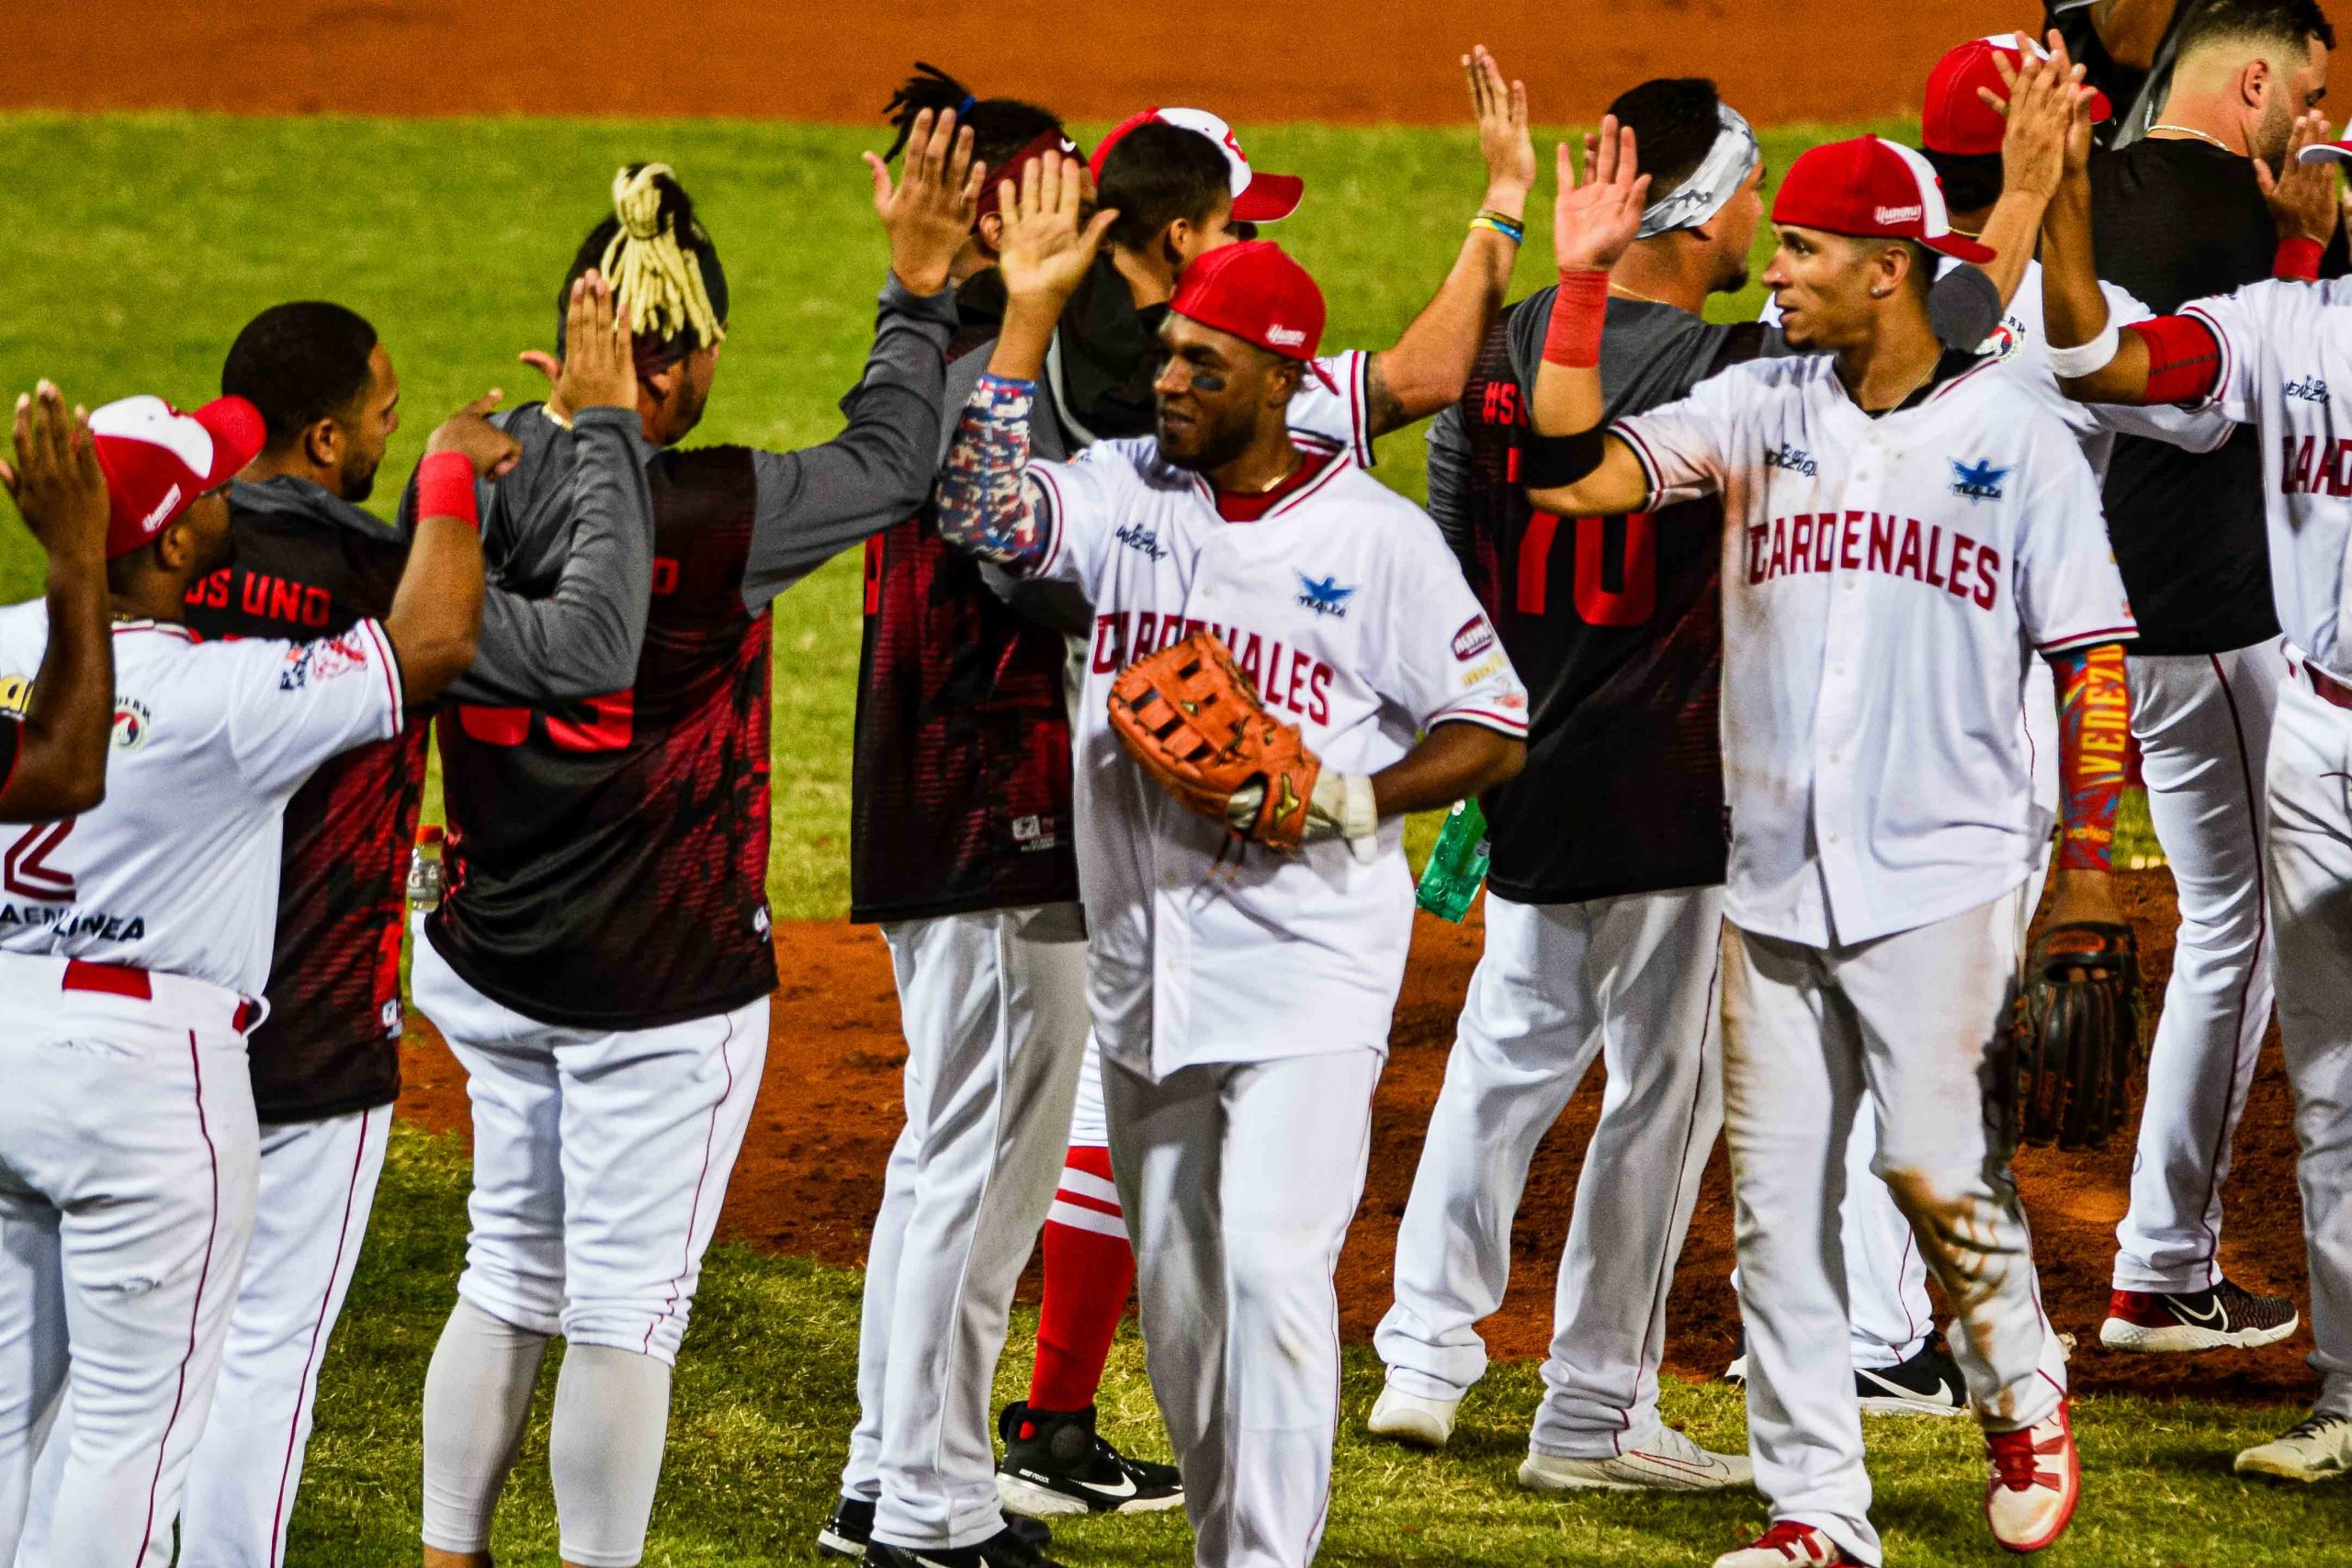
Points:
[1899,214]
[1288,337]
[163,509]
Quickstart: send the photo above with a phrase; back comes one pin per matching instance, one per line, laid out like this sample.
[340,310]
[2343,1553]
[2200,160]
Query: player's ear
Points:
[2253,81]
[991,232]
[323,442]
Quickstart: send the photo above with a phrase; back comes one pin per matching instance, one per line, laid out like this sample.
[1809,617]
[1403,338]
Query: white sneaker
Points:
[1786,1543]
[2036,1480]
[2313,1450]
[1671,1462]
[1408,1418]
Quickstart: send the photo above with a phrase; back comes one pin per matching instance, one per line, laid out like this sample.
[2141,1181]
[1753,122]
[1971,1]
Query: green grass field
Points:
[139,244]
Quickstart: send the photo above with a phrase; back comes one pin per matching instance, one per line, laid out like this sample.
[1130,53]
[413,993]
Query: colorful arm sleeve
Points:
[986,508]
[2094,730]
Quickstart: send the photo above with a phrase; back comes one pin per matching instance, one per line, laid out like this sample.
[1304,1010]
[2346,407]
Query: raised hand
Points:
[1501,111]
[56,481]
[2046,94]
[929,214]
[1045,252]
[599,367]
[1593,223]
[2302,196]
[492,452]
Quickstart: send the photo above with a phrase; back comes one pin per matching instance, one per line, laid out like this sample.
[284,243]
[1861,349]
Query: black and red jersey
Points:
[1615,625]
[960,787]
[309,564]
[607,861]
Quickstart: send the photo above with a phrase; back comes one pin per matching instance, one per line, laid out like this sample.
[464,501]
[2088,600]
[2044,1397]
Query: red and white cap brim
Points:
[1257,197]
[157,460]
[2328,152]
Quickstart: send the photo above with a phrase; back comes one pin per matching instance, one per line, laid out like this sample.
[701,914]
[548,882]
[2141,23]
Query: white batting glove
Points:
[1341,806]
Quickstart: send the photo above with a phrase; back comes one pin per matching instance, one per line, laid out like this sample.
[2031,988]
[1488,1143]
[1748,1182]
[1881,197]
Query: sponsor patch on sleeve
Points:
[1475,638]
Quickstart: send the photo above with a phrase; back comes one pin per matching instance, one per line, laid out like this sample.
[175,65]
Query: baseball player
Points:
[1179,177]
[140,932]
[602,960]
[2264,357]
[53,734]
[1241,998]
[325,1061]
[1906,524]
[2131,48]
[2180,214]
[1156,178]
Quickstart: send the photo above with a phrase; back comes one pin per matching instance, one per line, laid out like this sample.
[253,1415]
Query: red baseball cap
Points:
[2321,151]
[1955,119]
[157,460]
[1871,188]
[1257,293]
[1257,198]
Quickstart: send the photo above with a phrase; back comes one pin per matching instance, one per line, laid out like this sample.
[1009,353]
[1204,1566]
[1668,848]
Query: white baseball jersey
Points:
[1884,580]
[1345,607]
[176,870]
[2284,346]
[1341,408]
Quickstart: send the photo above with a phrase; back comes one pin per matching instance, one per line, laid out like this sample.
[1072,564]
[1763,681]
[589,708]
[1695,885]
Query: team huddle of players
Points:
[1784,657]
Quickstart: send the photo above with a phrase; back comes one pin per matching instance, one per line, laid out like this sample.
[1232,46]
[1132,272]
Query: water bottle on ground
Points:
[424,870]
[1457,867]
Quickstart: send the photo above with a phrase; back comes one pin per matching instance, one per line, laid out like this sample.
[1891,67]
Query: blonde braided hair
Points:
[654,278]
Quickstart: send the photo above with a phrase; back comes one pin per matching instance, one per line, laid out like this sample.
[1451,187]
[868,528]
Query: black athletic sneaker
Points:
[2178,1322]
[1008,1547]
[1928,1384]
[1057,1463]
[851,1531]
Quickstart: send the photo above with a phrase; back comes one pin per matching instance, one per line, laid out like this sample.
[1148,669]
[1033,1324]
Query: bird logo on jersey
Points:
[1980,482]
[132,721]
[1323,595]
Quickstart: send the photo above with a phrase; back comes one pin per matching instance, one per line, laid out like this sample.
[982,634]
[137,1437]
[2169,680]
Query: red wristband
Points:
[445,487]
[2297,259]
[1578,311]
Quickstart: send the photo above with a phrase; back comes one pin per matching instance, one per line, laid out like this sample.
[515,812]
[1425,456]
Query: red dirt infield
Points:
[810,1175]
[1355,61]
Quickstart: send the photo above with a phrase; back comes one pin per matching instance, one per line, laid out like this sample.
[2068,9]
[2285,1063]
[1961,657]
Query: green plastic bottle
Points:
[1457,867]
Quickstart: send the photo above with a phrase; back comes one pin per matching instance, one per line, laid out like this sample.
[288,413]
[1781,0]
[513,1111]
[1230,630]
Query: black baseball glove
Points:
[2076,1041]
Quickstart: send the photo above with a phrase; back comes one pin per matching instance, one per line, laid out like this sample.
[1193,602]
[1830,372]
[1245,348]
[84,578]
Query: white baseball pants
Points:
[1239,1182]
[2203,723]
[993,1004]
[1898,1029]
[2311,909]
[128,1164]
[601,1158]
[1631,981]
[317,1187]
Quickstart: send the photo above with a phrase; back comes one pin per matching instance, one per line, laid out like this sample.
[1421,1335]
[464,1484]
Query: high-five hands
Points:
[1045,251]
[929,214]
[2302,196]
[56,481]
[1593,223]
[1500,109]
[2048,103]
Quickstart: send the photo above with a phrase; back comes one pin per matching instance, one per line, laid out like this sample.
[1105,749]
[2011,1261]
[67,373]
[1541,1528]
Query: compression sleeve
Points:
[985,506]
[2184,359]
[2094,729]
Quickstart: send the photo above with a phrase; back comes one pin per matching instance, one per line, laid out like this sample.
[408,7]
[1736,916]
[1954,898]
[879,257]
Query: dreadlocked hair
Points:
[661,263]
[1000,126]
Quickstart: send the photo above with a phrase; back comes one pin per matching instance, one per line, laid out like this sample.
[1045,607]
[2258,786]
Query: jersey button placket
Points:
[1845,633]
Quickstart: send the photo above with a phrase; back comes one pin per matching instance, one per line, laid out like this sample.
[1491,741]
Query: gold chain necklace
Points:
[2190,130]
[1616,288]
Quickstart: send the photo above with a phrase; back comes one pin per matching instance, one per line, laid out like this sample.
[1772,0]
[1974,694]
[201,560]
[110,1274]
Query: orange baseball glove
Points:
[1190,716]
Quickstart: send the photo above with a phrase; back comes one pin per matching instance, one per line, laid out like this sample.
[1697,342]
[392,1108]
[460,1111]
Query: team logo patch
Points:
[132,721]
[1323,595]
[1900,214]
[2006,340]
[1980,482]
[323,660]
[1795,460]
[761,924]
[1285,337]
[1474,638]
[388,1016]
[1033,832]
[2309,389]
[1136,536]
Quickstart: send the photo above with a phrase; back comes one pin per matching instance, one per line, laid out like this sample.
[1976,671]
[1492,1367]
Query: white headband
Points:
[1713,183]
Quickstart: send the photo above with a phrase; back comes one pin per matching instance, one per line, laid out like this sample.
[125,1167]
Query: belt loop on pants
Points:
[2326,687]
